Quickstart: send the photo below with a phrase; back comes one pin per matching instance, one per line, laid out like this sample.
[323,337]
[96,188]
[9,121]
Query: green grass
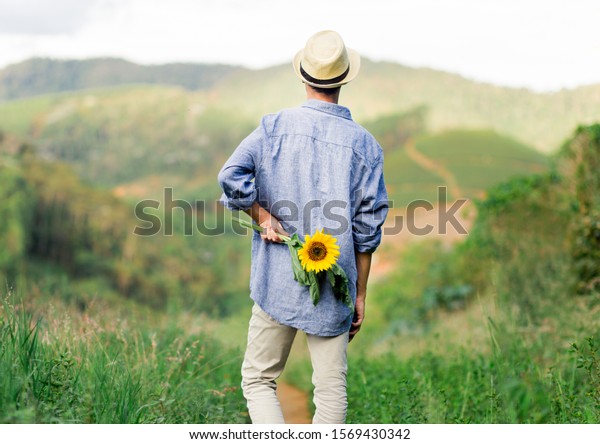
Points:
[510,385]
[503,353]
[106,366]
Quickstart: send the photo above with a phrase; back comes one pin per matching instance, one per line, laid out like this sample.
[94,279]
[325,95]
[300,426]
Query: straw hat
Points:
[325,62]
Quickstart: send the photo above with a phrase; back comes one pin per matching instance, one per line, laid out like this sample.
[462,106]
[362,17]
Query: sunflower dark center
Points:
[317,251]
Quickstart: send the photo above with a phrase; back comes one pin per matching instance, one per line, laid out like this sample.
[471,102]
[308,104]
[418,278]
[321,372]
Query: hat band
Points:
[311,79]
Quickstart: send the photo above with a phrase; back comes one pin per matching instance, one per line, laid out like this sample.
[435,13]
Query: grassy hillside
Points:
[478,159]
[406,180]
[503,328]
[467,162]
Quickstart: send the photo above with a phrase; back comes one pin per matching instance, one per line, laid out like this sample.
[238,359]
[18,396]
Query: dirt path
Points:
[431,165]
[294,404]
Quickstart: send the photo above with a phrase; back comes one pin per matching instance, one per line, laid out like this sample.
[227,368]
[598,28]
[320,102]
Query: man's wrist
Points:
[258,213]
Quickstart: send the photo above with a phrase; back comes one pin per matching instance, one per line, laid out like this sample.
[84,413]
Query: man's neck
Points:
[312,94]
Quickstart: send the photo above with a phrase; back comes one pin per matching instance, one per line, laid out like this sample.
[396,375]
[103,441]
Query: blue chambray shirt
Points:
[312,167]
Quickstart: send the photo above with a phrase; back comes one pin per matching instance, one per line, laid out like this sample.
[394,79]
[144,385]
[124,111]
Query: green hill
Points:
[42,75]
[465,161]
[476,159]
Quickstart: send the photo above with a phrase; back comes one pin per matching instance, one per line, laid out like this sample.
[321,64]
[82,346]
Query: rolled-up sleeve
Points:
[371,209]
[236,178]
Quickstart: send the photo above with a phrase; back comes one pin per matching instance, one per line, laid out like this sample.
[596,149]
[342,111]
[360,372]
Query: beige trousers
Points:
[269,344]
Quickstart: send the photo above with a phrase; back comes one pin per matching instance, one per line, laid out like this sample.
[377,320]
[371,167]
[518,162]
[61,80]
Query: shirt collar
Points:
[329,108]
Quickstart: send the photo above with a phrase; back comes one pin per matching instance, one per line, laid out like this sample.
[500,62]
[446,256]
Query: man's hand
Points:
[359,316]
[271,226]
[363,266]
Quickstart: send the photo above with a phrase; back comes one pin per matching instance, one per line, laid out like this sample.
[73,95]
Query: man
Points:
[301,170]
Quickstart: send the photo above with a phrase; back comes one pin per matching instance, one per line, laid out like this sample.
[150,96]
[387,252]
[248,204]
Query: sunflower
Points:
[319,252]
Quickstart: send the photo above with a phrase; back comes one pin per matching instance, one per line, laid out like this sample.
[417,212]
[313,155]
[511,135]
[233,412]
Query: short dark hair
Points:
[326,91]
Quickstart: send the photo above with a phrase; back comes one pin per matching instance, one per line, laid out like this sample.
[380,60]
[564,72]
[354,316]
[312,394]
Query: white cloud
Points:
[35,17]
[539,44]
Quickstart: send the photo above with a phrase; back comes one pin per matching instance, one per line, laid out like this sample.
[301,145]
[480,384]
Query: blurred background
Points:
[104,104]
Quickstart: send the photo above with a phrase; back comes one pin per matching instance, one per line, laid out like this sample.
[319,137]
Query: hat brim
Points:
[353,60]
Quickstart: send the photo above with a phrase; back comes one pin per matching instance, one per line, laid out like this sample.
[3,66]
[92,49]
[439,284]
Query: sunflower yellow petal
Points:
[319,252]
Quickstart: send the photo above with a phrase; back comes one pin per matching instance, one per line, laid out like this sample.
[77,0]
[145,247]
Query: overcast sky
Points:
[543,45]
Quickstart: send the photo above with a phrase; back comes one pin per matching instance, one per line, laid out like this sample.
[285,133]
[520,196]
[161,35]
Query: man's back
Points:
[314,168]
[315,152]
